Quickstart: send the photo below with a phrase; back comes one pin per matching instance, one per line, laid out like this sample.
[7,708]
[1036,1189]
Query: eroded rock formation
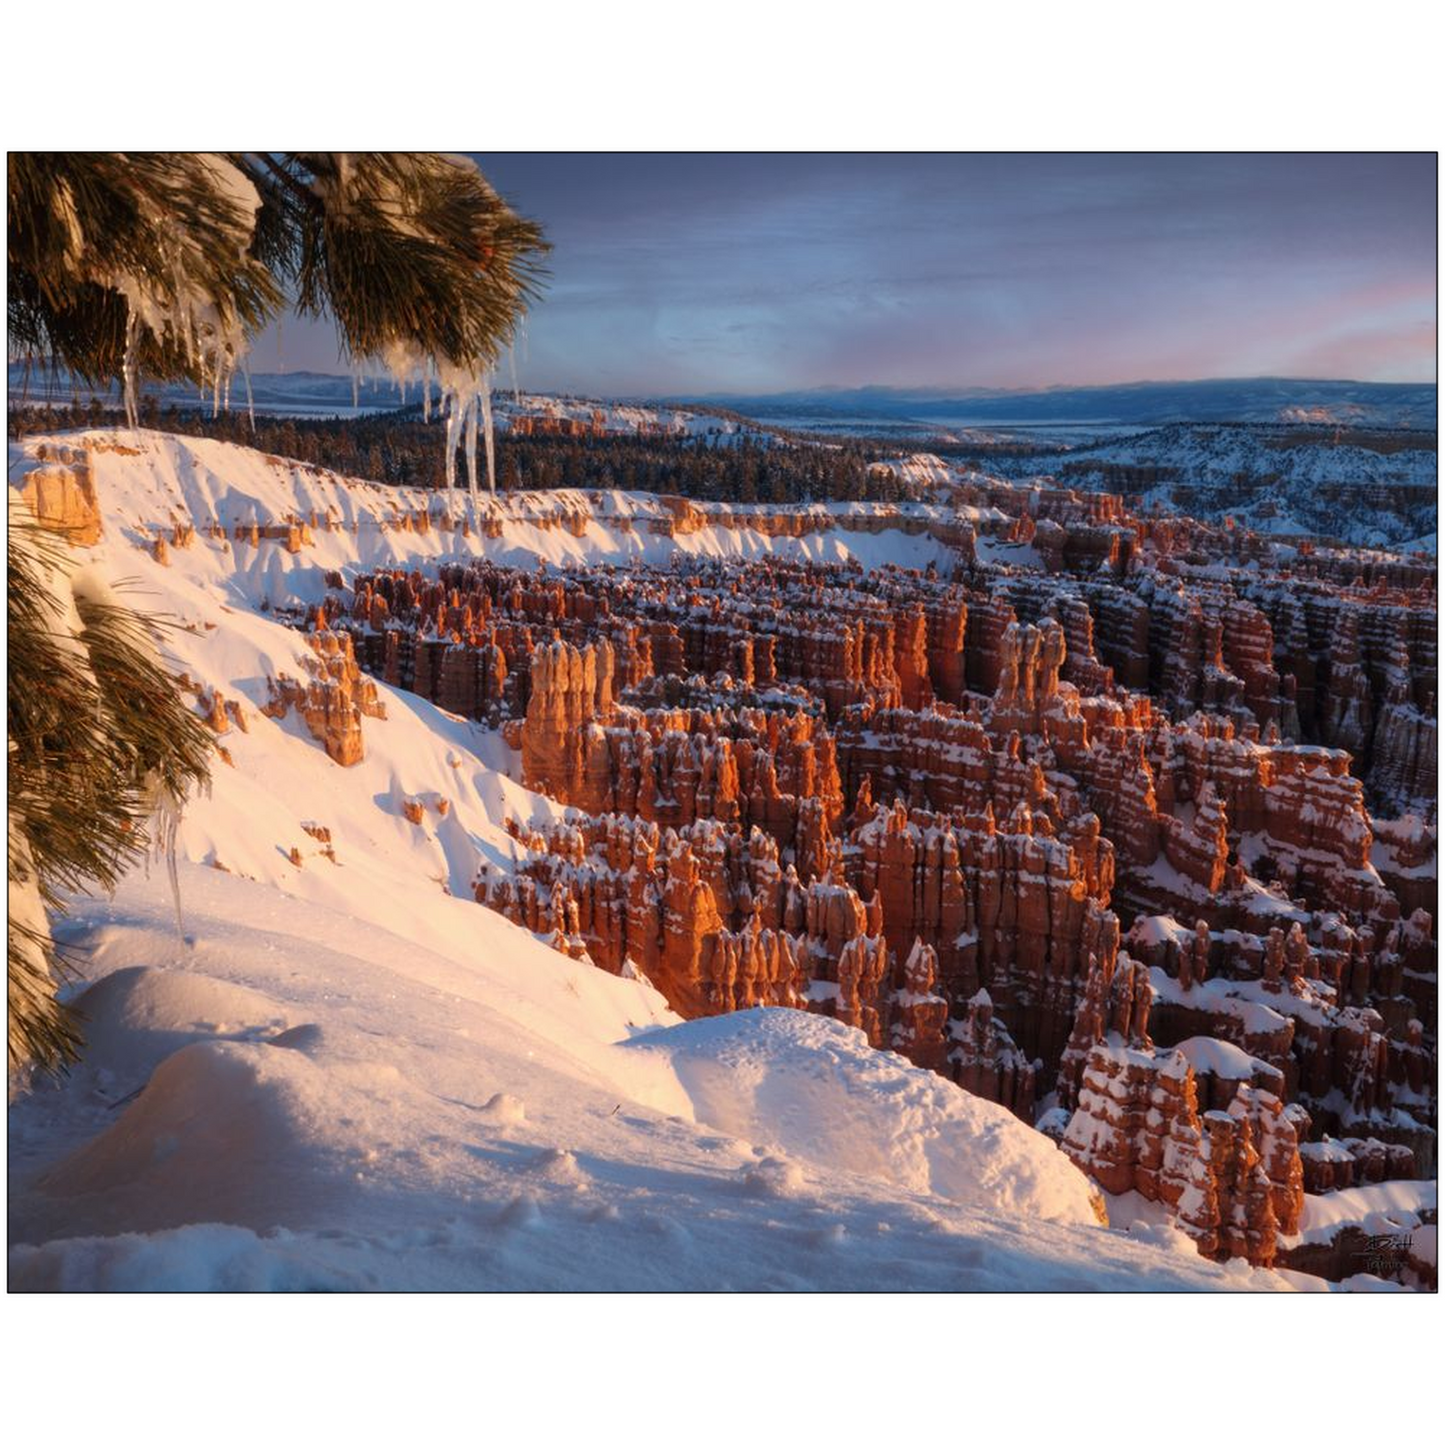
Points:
[332,701]
[1137,829]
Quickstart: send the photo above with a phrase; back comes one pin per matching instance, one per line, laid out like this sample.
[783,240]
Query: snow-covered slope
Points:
[148,480]
[350,1075]
[1219,454]
[773,1075]
[335,1106]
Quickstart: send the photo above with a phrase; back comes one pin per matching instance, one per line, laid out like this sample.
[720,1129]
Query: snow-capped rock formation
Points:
[346,1074]
[1010,800]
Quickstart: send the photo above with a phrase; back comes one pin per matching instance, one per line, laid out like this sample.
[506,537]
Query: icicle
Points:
[168,819]
[452,402]
[471,444]
[165,822]
[129,367]
[355,389]
[486,399]
[426,391]
[512,362]
[250,400]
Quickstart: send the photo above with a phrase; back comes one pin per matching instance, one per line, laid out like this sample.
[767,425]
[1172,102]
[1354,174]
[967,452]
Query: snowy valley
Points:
[345,1073]
[336,1069]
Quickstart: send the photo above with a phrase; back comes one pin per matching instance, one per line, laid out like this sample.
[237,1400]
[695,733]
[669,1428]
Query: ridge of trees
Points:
[400,449]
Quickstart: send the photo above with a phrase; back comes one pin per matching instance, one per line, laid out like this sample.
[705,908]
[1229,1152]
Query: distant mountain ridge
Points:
[1146,403]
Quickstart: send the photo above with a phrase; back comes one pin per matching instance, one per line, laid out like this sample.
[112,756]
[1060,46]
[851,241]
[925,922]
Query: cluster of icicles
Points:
[464,400]
[219,356]
[465,405]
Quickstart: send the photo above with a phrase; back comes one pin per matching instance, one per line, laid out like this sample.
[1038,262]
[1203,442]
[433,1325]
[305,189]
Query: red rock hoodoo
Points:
[1127,824]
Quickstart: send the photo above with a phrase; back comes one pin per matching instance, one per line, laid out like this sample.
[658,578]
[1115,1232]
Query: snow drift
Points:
[814,1089]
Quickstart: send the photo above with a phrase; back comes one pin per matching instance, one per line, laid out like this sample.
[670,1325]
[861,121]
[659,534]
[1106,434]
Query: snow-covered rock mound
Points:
[224,1132]
[920,469]
[135,1017]
[815,1090]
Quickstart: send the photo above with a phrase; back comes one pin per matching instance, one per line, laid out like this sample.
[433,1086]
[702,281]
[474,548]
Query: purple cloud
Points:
[677,273]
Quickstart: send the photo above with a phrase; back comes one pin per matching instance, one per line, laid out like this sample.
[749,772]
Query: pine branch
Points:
[412,255]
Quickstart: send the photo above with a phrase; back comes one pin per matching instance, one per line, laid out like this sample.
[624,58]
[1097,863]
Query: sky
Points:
[713,274]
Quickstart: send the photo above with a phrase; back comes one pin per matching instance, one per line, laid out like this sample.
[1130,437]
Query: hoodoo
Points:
[963,812]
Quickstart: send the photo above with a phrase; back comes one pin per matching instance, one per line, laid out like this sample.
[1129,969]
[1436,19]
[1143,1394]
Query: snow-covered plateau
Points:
[1362,489]
[340,1072]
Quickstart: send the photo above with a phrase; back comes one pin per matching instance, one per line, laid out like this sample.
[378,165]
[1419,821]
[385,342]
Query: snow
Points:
[349,1075]
[816,1090]
[1258,1010]
[1327,1151]
[1160,928]
[203,480]
[920,469]
[1382,857]
[1370,1284]
[1010,554]
[1393,1207]
[1148,1220]
[1358,495]
[325,1113]
[1221,1058]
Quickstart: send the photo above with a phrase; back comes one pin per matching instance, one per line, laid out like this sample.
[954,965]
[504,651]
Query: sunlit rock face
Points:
[1127,824]
[333,699]
[59,490]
